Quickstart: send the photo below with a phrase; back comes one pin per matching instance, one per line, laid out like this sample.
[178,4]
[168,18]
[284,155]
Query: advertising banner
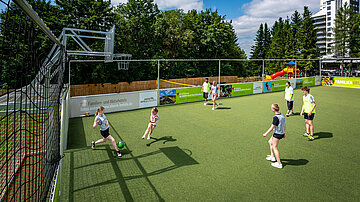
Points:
[111,103]
[167,97]
[310,81]
[279,85]
[225,90]
[257,87]
[267,87]
[293,83]
[347,82]
[318,80]
[148,99]
[242,89]
[299,83]
[188,94]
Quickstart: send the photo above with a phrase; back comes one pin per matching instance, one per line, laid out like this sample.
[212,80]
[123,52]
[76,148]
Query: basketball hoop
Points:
[123,65]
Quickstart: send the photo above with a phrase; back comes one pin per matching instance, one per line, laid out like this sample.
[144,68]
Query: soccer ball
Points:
[121,144]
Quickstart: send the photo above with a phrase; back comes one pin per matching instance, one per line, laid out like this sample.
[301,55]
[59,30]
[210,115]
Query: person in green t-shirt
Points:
[205,90]
[308,111]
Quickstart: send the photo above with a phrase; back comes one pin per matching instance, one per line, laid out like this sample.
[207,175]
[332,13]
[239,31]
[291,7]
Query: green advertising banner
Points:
[188,94]
[242,89]
[310,81]
[347,82]
[279,85]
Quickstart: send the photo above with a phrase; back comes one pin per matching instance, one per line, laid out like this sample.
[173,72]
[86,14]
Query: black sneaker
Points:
[118,154]
[92,145]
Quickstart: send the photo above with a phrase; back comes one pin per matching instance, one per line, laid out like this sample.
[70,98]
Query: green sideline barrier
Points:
[242,89]
[347,82]
[188,94]
[279,85]
[309,81]
[142,99]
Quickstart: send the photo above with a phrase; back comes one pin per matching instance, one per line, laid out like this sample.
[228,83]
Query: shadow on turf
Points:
[223,108]
[165,138]
[294,162]
[321,135]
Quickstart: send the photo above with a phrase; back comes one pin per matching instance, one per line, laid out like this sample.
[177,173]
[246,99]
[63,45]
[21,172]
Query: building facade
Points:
[324,21]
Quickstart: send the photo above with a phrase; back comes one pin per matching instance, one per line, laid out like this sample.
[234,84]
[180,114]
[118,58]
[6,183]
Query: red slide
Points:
[274,75]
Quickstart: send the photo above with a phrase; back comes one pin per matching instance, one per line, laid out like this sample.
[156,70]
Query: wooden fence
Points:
[94,89]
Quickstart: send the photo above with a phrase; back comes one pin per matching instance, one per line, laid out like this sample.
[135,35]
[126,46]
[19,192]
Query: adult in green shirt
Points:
[205,90]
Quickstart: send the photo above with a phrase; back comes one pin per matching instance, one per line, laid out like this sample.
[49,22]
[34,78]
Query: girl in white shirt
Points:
[154,119]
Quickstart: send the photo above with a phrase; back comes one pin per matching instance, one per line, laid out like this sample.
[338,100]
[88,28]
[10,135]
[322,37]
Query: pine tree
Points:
[257,50]
[308,42]
[267,39]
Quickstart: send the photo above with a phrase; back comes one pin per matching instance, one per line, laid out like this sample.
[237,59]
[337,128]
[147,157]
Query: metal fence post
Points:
[158,84]
[158,79]
[295,68]
[219,71]
[320,67]
[263,70]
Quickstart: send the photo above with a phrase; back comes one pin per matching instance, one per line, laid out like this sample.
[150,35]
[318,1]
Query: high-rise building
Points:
[325,22]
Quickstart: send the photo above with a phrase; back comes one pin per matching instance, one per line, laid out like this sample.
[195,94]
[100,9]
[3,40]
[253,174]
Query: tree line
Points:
[141,30]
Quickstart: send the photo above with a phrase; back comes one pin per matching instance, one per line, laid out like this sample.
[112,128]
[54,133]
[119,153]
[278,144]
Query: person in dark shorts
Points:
[308,111]
[289,98]
[205,90]
[103,123]
[278,125]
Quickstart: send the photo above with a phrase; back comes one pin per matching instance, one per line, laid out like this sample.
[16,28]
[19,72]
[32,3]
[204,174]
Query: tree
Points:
[354,36]
[86,14]
[308,42]
[267,39]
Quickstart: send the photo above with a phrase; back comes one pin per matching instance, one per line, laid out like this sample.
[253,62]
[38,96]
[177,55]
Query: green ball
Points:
[121,144]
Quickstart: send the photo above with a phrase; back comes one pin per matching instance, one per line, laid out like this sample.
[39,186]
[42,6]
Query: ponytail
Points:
[101,108]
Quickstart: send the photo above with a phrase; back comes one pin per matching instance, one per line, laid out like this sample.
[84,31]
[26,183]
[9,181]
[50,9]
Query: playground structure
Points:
[289,71]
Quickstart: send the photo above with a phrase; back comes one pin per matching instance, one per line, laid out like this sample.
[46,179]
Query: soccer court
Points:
[197,154]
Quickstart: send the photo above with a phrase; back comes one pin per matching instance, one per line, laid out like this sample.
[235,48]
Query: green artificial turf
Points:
[205,155]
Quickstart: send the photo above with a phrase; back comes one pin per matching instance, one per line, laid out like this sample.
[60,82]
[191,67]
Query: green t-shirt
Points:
[308,100]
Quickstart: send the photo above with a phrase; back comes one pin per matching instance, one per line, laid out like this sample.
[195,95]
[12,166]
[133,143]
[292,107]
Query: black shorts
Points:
[205,95]
[278,136]
[290,104]
[105,133]
[306,116]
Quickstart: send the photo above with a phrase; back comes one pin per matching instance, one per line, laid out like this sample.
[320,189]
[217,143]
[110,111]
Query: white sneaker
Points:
[269,158]
[205,103]
[143,137]
[118,154]
[148,137]
[217,105]
[213,108]
[276,165]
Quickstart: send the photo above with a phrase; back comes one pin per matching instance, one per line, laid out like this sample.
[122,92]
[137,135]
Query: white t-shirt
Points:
[102,122]
[206,87]
[152,118]
[214,89]
[289,93]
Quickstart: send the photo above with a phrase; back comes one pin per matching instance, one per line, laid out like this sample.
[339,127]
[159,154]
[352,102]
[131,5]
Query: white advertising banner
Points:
[148,99]
[293,83]
[317,80]
[258,87]
[111,102]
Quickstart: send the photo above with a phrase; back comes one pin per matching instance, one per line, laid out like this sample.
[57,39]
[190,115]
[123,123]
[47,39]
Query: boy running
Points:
[205,90]
[289,98]
[308,110]
[278,125]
